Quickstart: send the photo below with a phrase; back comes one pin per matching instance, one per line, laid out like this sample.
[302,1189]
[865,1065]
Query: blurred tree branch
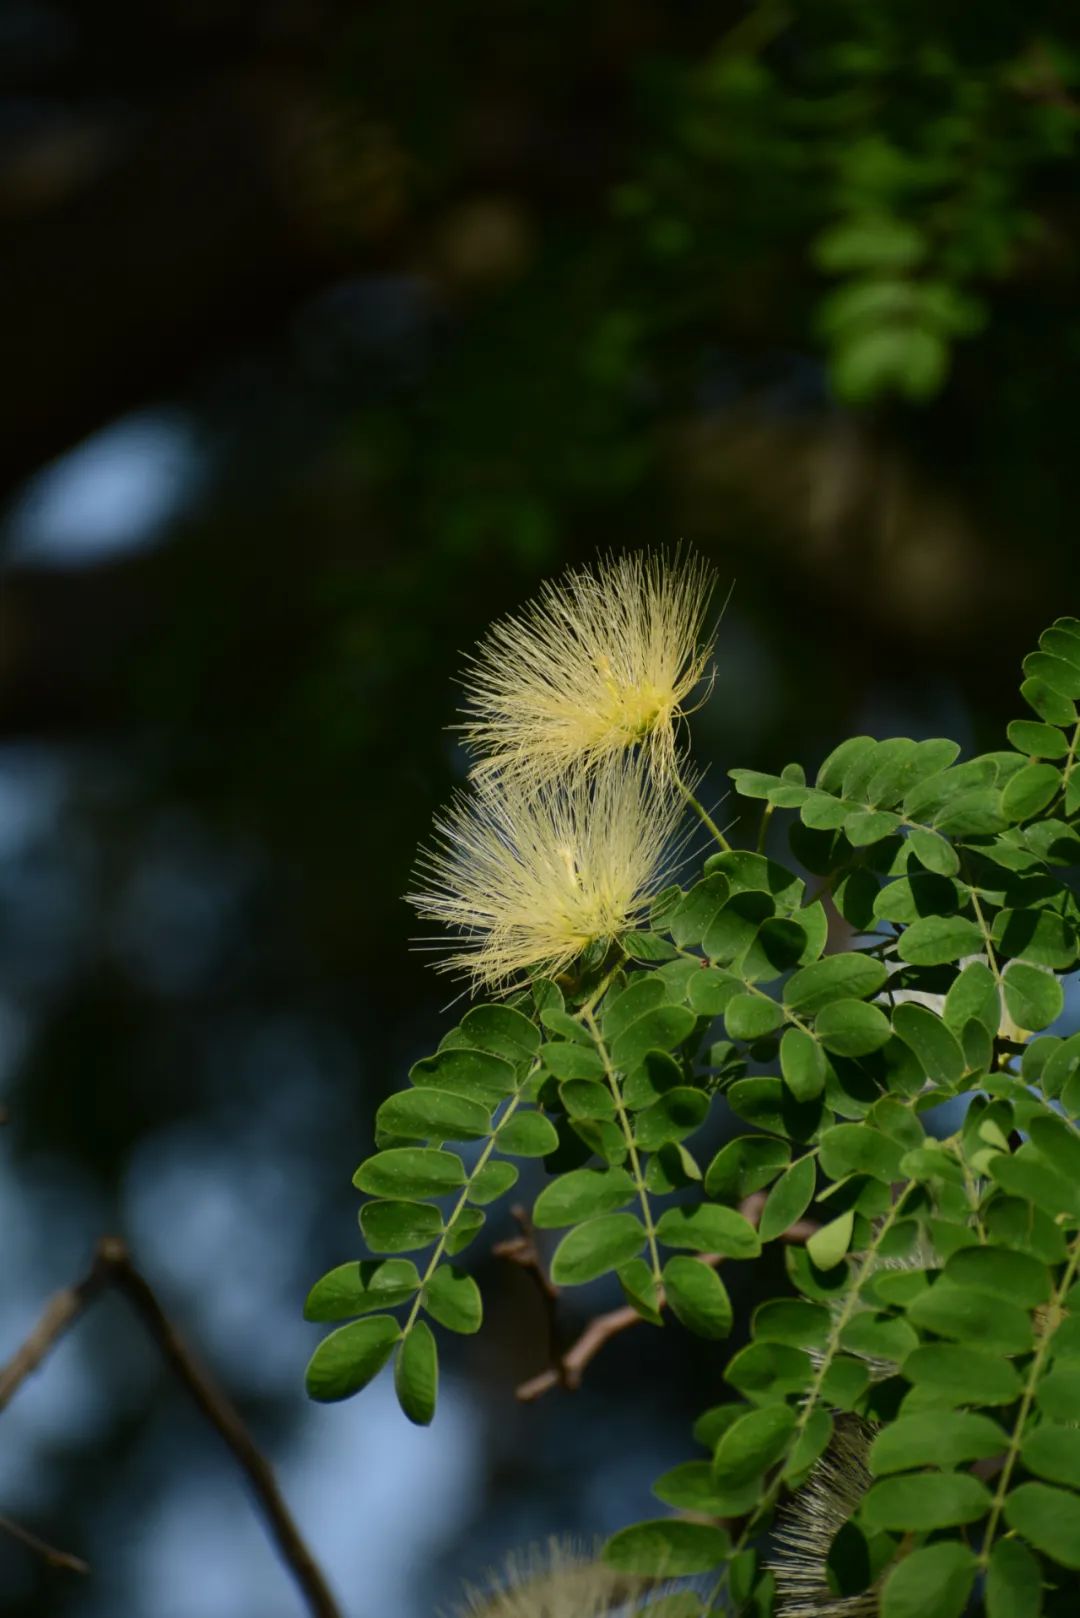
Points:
[567,1369]
[112,1269]
[40,1547]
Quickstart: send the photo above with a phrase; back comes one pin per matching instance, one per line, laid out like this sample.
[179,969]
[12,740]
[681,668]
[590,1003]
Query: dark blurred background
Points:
[328,331]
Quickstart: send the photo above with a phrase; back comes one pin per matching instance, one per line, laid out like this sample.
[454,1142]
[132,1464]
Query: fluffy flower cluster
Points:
[829,1497]
[564,837]
[557,1583]
[530,879]
[604,660]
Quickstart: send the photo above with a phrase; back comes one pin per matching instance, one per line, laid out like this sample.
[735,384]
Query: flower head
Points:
[529,878]
[604,660]
[830,1495]
[557,1583]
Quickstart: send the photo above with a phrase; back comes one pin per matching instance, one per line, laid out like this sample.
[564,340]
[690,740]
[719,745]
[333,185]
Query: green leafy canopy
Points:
[920,1372]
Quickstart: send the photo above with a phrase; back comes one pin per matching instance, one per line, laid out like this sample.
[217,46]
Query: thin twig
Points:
[112,1267]
[568,1369]
[523,1251]
[41,1547]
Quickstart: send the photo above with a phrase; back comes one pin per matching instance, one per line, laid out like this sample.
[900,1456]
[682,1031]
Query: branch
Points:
[523,1251]
[41,1547]
[568,1369]
[112,1267]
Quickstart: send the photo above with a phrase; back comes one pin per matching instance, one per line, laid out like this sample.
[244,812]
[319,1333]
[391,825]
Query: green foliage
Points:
[935,1304]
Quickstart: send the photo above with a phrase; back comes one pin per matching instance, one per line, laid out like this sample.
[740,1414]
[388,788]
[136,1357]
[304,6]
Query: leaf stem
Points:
[702,813]
[1016,1438]
[628,1136]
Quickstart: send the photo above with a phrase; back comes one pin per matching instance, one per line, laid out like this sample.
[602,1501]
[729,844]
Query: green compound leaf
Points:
[463,1230]
[1013,1582]
[708,1227]
[698,1297]
[1017,1277]
[802,1062]
[934,852]
[677,1114]
[962,1376]
[735,927]
[936,1047]
[1034,998]
[409,1172]
[357,1289]
[788,1200]
[643,993]
[921,894]
[659,1030]
[974,994]
[858,1149]
[923,1501]
[1048,703]
[794,1321]
[599,1245]
[933,1582]
[1030,790]
[1058,1394]
[753,1443]
[560,1022]
[640,1290]
[769,1372]
[502,1030]
[969,1316]
[527,1134]
[351,1357]
[400,1227]
[691,1487]
[581,1194]
[453,1299]
[745,1165]
[935,940]
[1038,936]
[750,1016]
[689,923]
[852,1028]
[1047,1518]
[1040,741]
[667,1548]
[828,1245]
[433,1115]
[461,1071]
[837,977]
[711,989]
[1053,1453]
[491,1182]
[1029,1175]
[416,1374]
[571,1061]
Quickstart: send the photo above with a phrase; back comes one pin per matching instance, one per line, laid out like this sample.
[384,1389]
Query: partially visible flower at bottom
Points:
[529,879]
[829,1497]
[558,1582]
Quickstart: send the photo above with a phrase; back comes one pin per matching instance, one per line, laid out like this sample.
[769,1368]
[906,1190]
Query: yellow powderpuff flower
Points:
[604,660]
[557,1583]
[530,877]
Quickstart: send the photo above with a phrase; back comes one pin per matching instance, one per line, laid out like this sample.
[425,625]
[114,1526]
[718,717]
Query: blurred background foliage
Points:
[329,330]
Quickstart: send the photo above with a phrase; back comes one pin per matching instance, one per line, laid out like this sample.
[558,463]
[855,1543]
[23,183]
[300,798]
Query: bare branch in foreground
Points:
[40,1547]
[568,1369]
[112,1268]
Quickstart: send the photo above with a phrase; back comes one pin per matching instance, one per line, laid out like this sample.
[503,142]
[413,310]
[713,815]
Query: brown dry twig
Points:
[113,1269]
[523,1251]
[41,1547]
[567,1369]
